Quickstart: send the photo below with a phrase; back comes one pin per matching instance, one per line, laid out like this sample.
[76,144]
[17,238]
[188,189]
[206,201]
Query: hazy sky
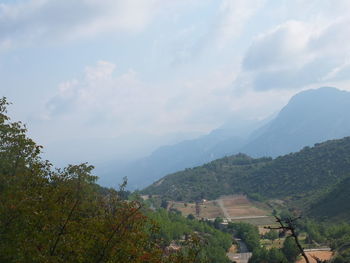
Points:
[105,79]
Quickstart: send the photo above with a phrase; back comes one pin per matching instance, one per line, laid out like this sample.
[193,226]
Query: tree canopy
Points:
[62,215]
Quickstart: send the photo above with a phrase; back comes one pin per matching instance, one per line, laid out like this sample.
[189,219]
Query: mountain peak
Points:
[311,116]
[319,96]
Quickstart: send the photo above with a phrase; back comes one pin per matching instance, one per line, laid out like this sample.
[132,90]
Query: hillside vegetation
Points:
[310,117]
[304,177]
[62,215]
[335,203]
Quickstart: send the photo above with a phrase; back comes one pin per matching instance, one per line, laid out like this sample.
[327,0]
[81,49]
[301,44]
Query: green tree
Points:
[217,222]
[276,256]
[190,216]
[248,233]
[260,255]
[164,204]
[271,235]
[290,249]
[62,215]
[263,255]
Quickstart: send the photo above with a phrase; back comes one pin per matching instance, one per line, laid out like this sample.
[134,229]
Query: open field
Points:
[233,208]
[277,243]
[207,209]
[257,221]
[324,255]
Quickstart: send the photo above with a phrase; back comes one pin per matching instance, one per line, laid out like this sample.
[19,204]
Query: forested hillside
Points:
[335,204]
[219,177]
[310,117]
[301,177]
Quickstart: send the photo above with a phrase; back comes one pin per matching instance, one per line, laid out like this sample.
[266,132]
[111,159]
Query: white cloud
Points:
[280,48]
[107,114]
[104,103]
[221,27]
[296,54]
[103,70]
[100,96]
[30,21]
[233,16]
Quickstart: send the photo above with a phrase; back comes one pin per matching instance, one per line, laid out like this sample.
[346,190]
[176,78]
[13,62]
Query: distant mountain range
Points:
[310,117]
[168,159]
[315,179]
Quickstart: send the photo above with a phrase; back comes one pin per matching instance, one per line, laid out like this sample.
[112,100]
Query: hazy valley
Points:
[201,131]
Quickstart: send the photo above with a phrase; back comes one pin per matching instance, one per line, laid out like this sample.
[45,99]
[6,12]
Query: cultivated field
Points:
[324,255]
[207,209]
[233,208]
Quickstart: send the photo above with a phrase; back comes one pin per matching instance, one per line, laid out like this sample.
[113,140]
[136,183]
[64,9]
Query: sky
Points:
[100,80]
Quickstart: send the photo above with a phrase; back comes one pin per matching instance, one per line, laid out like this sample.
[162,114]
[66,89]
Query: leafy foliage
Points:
[290,250]
[335,204]
[174,227]
[271,235]
[248,233]
[49,215]
[335,235]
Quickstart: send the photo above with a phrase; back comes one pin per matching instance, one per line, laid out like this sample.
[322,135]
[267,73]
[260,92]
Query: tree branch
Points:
[288,225]
[63,228]
[116,229]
